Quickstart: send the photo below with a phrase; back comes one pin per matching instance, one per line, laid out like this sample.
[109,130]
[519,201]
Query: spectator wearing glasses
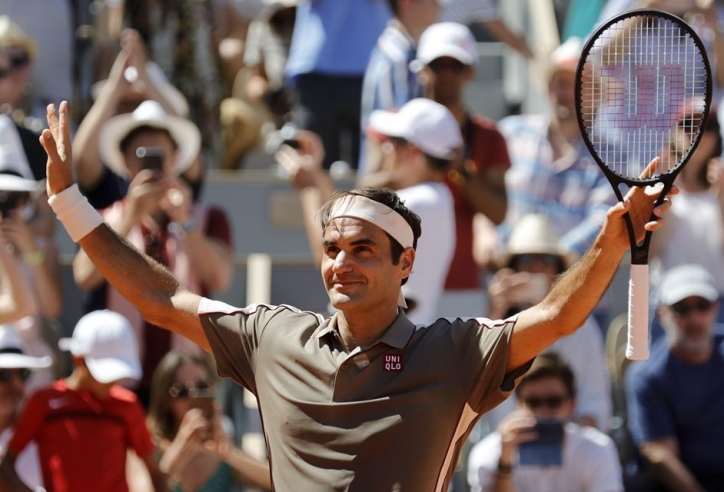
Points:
[85,424]
[509,459]
[676,397]
[195,450]
[16,368]
[530,263]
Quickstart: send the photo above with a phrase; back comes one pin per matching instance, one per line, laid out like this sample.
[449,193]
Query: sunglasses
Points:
[529,259]
[551,402]
[454,66]
[6,375]
[19,59]
[190,389]
[686,308]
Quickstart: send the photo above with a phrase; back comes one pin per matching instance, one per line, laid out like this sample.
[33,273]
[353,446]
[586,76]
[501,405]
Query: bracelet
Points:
[75,213]
[505,468]
[34,259]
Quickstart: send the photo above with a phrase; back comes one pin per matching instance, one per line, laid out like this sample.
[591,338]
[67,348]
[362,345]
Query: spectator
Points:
[694,232]
[132,80]
[195,451]
[84,424]
[676,397]
[15,369]
[388,81]
[531,262]
[330,49]
[424,139]
[158,216]
[485,13]
[259,100]
[546,393]
[552,171]
[447,58]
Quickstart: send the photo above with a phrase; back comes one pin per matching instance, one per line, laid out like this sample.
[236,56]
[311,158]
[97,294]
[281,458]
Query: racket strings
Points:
[642,94]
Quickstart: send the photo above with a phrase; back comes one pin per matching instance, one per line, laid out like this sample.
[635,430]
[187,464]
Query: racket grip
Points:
[637,347]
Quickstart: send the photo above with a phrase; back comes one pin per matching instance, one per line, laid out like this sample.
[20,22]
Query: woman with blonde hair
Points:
[194,449]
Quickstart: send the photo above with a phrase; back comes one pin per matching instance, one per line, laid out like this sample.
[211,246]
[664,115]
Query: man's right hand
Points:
[57,144]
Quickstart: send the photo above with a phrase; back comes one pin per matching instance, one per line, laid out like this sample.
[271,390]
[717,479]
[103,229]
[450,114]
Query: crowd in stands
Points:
[377,88]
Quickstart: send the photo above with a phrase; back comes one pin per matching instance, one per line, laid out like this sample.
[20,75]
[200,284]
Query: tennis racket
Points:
[643,89]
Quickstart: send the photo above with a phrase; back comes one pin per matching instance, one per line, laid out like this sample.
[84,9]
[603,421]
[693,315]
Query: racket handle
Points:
[637,347]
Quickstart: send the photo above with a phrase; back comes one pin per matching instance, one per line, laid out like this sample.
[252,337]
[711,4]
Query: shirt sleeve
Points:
[483,463]
[606,475]
[139,437]
[28,423]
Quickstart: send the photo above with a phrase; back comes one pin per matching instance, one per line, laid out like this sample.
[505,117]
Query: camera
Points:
[547,450]
[11,200]
[151,158]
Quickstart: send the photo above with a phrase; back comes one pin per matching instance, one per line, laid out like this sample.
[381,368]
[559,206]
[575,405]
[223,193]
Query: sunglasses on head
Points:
[552,402]
[6,375]
[189,389]
[454,66]
[685,308]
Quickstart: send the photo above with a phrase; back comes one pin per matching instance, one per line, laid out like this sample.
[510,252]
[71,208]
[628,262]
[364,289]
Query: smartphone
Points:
[151,158]
[206,405]
[547,450]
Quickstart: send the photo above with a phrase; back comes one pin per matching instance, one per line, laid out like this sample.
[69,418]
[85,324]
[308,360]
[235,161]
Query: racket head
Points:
[643,89]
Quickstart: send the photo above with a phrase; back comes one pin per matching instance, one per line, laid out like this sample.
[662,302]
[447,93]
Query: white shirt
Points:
[433,202]
[590,464]
[27,465]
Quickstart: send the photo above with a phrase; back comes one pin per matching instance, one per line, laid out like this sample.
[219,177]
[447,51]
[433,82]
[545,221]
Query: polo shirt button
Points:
[344,367]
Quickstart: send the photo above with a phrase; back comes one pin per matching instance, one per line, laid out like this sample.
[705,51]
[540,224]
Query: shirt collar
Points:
[396,336]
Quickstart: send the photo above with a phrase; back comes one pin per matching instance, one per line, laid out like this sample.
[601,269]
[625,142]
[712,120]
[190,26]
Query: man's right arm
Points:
[666,467]
[150,287]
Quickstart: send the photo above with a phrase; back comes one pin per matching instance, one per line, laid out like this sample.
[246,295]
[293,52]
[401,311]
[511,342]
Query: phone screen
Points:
[547,450]
[206,405]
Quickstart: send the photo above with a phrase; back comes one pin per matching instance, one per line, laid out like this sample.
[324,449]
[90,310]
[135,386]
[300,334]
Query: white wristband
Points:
[77,215]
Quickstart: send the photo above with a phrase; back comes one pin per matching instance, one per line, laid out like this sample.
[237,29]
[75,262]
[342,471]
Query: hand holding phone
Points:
[151,158]
[547,448]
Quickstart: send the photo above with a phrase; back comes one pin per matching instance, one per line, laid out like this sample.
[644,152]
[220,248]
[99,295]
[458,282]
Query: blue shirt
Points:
[669,398]
[335,37]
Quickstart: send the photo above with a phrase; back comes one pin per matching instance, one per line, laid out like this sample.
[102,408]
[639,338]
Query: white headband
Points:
[381,215]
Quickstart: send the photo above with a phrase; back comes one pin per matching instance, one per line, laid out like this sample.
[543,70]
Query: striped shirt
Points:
[575,195]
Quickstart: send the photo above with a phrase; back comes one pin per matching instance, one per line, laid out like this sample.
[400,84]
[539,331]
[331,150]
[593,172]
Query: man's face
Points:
[150,139]
[446,77]
[12,389]
[689,323]
[561,91]
[357,266]
[546,398]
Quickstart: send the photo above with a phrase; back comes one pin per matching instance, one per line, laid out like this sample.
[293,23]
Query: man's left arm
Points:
[579,290]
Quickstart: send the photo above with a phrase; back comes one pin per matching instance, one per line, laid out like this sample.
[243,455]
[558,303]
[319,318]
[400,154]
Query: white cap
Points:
[424,123]
[687,281]
[12,355]
[446,39]
[185,134]
[107,343]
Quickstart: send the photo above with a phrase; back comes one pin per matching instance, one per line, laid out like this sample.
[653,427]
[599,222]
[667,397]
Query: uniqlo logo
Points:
[392,363]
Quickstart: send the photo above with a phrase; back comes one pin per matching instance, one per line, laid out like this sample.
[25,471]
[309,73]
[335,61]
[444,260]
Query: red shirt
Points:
[82,440]
[486,147]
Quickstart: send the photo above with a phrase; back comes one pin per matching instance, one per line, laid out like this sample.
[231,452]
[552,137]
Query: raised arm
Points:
[149,286]
[579,290]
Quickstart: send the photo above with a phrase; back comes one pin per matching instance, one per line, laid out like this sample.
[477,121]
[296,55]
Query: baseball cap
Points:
[107,343]
[686,281]
[446,39]
[426,124]
[12,354]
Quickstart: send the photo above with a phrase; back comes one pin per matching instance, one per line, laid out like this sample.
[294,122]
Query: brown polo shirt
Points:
[390,416]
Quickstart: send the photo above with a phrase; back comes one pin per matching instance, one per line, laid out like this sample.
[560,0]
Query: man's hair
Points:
[386,197]
[549,365]
[125,142]
[394,7]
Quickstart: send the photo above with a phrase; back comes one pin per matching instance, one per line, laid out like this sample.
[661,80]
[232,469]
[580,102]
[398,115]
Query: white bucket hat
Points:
[446,39]
[149,113]
[426,124]
[158,78]
[535,234]
[12,354]
[107,343]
